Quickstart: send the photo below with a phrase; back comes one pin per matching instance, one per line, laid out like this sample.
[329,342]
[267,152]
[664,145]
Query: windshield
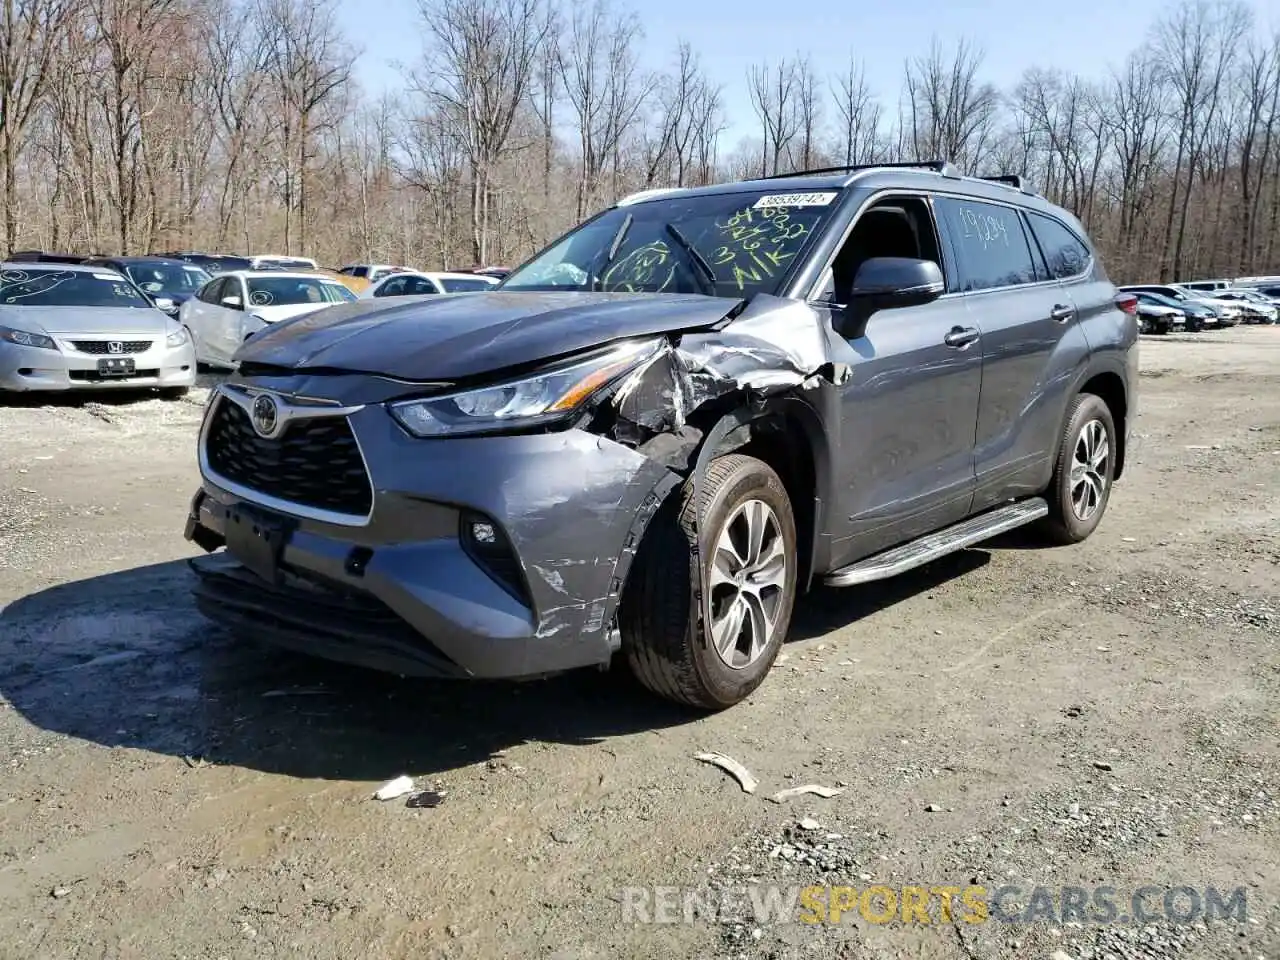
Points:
[728,244]
[454,285]
[282,291]
[67,288]
[167,277]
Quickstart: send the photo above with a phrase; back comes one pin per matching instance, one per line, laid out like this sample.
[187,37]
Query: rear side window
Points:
[359,271]
[1064,252]
[990,244]
[392,288]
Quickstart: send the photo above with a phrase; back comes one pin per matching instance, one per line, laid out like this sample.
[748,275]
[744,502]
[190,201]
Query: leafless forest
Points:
[238,126]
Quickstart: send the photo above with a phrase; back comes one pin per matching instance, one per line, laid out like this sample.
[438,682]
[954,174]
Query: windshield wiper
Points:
[705,274]
[614,246]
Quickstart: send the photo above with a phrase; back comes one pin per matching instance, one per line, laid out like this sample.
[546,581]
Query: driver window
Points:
[892,227]
[213,292]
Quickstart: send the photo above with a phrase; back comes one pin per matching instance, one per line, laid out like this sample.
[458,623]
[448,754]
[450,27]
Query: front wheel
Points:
[748,547]
[1085,469]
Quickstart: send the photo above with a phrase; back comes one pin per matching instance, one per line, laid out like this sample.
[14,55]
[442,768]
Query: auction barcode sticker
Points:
[806,199]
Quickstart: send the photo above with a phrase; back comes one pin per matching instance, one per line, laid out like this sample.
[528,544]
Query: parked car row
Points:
[1200,305]
[78,321]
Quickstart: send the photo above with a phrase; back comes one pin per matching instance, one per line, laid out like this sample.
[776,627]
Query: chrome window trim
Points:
[289,408]
[932,194]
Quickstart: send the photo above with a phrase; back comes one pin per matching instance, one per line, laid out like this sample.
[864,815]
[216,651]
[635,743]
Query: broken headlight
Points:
[542,397]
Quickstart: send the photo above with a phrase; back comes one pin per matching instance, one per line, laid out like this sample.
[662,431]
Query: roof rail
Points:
[1010,180]
[938,166]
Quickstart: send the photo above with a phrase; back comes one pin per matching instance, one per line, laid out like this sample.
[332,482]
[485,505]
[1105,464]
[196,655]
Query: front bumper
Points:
[37,368]
[405,590]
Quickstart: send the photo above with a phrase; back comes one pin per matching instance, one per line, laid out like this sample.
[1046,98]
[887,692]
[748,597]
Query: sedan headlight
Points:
[542,397]
[24,339]
[176,338]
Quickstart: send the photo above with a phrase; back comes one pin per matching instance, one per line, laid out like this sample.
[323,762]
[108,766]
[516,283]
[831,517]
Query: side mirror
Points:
[883,283]
[165,304]
[886,282]
[232,303]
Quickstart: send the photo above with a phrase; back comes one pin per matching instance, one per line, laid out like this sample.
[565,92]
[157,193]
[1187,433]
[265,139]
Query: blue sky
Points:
[730,35]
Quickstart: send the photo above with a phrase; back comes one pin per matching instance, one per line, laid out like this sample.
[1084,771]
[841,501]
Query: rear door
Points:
[1030,338]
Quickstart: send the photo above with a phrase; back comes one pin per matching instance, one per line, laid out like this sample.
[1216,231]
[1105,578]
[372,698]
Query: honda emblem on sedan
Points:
[115,346]
[265,415]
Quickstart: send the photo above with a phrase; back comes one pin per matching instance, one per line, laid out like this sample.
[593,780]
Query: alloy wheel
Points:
[1089,468]
[748,578]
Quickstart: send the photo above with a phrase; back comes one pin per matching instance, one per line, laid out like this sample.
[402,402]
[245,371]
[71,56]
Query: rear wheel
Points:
[748,546]
[1082,476]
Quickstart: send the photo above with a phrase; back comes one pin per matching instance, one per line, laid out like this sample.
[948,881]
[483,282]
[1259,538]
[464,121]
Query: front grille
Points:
[100,348]
[314,463]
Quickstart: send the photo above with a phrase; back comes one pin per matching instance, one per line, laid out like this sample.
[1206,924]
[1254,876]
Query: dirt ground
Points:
[1106,714]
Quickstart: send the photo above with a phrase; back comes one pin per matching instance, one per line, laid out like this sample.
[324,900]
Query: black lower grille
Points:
[93,376]
[342,626]
[103,347]
[314,463]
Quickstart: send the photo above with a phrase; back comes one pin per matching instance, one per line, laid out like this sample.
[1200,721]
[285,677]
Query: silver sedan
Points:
[71,327]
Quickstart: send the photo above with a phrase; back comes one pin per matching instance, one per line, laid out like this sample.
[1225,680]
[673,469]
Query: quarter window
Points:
[990,243]
[1063,250]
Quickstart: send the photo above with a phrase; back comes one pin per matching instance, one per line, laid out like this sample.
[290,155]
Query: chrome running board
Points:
[930,547]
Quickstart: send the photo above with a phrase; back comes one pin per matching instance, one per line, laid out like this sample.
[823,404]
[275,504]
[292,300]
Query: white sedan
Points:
[234,306]
[414,283]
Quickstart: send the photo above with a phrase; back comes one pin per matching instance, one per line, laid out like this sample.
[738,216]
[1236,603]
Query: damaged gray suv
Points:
[661,430]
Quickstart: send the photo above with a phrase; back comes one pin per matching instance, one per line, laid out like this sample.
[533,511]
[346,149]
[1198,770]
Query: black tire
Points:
[174,393]
[666,644]
[1193,325]
[1064,525]
[1162,327]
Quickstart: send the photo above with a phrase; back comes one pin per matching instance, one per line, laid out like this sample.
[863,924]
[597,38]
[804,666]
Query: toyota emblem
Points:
[115,346]
[266,415]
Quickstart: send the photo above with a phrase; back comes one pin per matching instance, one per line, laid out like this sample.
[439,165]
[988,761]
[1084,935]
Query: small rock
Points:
[1102,765]
[808,823]
[932,808]
[1060,955]
[59,892]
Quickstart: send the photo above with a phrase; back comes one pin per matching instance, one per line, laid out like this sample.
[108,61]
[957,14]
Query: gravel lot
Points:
[1102,714]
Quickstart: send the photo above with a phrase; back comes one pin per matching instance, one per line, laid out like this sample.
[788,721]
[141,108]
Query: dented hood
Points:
[452,337]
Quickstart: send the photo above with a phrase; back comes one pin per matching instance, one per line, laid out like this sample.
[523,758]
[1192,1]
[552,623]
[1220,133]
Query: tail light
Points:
[1128,303]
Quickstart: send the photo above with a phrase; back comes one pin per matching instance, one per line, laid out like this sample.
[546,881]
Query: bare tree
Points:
[775,98]
[860,115]
[309,63]
[1197,43]
[1260,92]
[952,113]
[486,53]
[30,31]
[242,128]
[604,86]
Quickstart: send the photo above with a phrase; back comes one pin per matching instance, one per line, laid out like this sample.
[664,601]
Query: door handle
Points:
[961,336]
[1062,312]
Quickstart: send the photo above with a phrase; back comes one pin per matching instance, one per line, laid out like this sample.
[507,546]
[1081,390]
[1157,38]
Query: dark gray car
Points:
[662,429]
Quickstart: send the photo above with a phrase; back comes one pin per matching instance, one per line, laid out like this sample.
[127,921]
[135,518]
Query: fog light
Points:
[484,533]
